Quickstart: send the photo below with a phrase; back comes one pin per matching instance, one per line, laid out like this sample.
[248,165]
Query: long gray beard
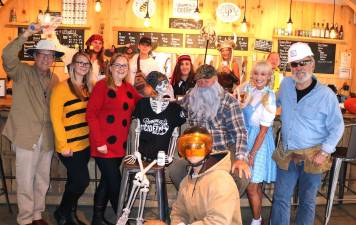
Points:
[205,102]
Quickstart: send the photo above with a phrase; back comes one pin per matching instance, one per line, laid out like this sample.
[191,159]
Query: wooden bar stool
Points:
[161,192]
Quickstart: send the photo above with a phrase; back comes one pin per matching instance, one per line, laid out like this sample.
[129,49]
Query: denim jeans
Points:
[308,186]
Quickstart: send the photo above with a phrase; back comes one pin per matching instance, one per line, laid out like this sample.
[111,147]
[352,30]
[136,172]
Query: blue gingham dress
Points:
[255,114]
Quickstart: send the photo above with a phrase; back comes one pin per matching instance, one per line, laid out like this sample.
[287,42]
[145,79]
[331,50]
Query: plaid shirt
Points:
[227,128]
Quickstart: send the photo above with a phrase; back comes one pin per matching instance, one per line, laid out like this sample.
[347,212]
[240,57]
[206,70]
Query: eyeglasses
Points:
[301,63]
[83,64]
[119,66]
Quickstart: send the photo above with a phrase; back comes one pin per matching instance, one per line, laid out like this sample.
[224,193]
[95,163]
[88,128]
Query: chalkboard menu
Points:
[73,38]
[263,45]
[183,23]
[324,55]
[196,41]
[174,40]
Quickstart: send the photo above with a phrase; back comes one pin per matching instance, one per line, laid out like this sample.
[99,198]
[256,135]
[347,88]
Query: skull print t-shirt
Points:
[157,129]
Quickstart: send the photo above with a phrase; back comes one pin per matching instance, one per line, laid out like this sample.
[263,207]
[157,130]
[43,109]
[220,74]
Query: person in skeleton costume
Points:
[202,199]
[158,121]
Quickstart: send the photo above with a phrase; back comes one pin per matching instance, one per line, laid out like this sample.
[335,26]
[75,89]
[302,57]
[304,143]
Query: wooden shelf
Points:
[74,26]
[311,39]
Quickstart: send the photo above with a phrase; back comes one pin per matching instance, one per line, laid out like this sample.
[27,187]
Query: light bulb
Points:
[47,18]
[147,22]
[244,27]
[289,27]
[97,6]
[196,16]
[332,33]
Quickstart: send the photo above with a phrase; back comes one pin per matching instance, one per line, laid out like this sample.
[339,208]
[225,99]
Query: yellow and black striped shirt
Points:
[68,118]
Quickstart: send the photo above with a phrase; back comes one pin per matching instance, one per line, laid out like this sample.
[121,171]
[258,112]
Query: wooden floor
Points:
[341,215]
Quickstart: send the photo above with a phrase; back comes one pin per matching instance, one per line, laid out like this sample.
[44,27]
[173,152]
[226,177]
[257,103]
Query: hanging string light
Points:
[332,29]
[290,22]
[97,5]
[244,22]
[147,18]
[197,12]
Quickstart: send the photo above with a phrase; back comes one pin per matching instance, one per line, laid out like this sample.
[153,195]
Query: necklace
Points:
[45,87]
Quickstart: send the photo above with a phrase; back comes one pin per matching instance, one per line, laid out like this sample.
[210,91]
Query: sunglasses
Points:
[301,63]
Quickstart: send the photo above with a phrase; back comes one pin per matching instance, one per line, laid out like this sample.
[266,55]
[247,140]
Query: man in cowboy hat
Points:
[28,126]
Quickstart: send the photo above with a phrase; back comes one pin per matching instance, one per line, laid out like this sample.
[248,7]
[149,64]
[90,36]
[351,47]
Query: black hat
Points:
[145,40]
[154,78]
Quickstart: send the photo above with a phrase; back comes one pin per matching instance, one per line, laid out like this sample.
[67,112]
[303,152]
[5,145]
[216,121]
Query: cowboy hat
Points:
[45,45]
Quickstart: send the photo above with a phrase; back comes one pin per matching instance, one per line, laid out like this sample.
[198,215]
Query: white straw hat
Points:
[298,51]
[45,45]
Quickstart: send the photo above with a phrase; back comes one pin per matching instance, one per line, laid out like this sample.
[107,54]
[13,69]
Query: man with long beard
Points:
[209,106]
[312,125]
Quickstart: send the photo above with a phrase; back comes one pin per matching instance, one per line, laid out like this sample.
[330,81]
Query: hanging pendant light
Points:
[97,6]
[332,29]
[290,22]
[147,18]
[197,12]
[47,16]
[244,22]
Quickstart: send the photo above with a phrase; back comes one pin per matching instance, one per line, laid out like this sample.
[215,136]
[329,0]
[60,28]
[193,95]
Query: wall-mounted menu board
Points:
[324,54]
[184,23]
[174,40]
[73,38]
[263,45]
[196,41]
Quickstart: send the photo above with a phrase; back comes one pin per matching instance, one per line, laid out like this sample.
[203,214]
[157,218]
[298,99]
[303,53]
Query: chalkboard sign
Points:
[174,40]
[183,23]
[197,41]
[73,38]
[324,55]
[263,45]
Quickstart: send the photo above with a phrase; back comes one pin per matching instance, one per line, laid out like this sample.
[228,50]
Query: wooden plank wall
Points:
[263,16]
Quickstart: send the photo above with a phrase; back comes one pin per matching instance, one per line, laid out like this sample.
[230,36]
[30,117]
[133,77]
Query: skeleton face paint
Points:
[162,88]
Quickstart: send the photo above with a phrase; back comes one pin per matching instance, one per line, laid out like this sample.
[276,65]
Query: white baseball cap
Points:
[298,51]
[45,45]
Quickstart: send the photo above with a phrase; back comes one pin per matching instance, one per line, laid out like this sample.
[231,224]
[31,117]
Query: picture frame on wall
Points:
[2,87]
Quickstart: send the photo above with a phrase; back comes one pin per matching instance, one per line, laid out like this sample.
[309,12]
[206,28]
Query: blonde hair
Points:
[110,80]
[87,87]
[259,67]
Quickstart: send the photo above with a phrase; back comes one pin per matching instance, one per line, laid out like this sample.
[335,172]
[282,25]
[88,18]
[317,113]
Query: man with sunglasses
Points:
[312,125]
[28,126]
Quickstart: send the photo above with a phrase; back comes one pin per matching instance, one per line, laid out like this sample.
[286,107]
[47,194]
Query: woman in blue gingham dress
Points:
[259,108]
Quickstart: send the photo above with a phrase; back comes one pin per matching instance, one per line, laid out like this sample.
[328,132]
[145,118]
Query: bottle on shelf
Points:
[327,31]
[313,30]
[322,31]
[336,31]
[317,30]
[341,33]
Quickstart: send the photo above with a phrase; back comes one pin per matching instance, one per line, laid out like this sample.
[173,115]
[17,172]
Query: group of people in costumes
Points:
[90,114]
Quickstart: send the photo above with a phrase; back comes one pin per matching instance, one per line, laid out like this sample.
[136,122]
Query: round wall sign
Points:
[139,7]
[228,12]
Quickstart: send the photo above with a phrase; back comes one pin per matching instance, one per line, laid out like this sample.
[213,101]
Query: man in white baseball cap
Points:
[312,125]
[28,126]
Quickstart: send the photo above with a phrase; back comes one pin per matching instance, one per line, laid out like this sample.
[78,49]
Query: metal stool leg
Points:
[123,187]
[161,195]
[342,178]
[4,186]
[332,188]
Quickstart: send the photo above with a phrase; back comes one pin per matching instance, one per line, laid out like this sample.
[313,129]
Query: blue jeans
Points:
[308,186]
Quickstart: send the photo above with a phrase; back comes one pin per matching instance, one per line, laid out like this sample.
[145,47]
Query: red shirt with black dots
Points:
[109,118]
